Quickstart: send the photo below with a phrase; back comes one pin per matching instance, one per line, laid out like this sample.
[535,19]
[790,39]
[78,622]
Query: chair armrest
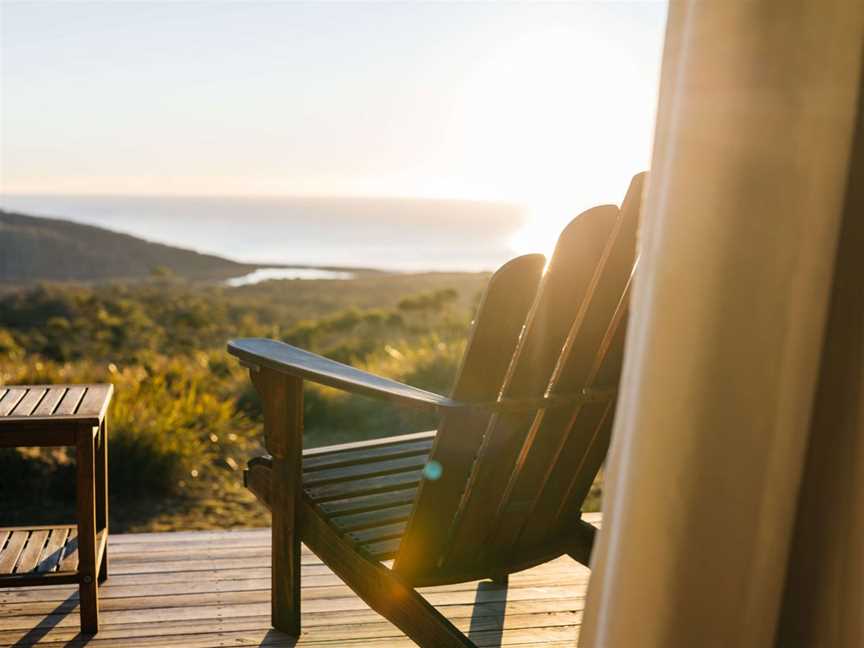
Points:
[256,353]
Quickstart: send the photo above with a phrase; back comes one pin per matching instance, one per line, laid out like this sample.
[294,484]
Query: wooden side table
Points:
[61,415]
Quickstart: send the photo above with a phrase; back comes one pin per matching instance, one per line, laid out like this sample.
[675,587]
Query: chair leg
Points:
[282,400]
[582,545]
[285,561]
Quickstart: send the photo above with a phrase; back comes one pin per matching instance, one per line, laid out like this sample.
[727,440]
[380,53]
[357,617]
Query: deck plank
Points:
[212,588]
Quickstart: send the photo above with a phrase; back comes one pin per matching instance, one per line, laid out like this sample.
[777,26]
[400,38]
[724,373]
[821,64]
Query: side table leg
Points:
[86,504]
[102,495]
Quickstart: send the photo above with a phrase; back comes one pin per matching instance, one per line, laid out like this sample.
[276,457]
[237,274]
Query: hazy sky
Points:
[542,104]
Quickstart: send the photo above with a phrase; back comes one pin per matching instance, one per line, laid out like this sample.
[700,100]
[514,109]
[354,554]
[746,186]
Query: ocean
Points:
[383,233]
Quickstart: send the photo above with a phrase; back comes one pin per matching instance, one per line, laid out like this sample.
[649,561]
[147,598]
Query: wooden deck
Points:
[212,588]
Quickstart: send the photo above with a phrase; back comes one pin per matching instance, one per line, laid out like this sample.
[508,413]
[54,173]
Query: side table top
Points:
[86,404]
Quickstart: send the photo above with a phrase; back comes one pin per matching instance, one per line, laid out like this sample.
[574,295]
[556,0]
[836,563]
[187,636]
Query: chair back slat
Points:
[567,443]
[494,335]
[566,283]
[566,490]
[557,504]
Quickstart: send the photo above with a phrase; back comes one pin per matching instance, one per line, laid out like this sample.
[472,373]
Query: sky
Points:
[550,106]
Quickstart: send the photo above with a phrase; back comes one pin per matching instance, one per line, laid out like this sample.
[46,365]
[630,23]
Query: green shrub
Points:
[185,417]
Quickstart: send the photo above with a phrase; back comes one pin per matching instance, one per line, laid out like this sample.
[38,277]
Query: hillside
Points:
[35,249]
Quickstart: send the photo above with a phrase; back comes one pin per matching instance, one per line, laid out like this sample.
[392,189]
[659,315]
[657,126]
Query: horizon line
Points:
[266,196]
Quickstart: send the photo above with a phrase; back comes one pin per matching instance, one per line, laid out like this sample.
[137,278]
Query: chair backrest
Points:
[547,348]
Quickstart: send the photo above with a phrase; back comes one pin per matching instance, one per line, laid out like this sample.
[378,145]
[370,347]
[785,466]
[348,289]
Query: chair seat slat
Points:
[382,550]
[374,534]
[365,486]
[378,517]
[362,470]
[377,453]
[365,503]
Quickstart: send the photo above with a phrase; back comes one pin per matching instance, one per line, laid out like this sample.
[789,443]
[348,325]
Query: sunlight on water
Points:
[381,233]
[265,274]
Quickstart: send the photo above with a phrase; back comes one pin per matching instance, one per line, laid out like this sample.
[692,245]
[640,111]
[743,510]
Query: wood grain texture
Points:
[33,556]
[95,402]
[366,503]
[341,448]
[10,400]
[27,404]
[69,559]
[312,463]
[374,534]
[85,503]
[494,336]
[364,470]
[30,555]
[367,519]
[282,398]
[70,401]
[47,403]
[101,488]
[567,443]
[213,605]
[365,486]
[379,587]
[565,286]
[11,552]
[50,558]
[50,402]
[289,360]
[49,415]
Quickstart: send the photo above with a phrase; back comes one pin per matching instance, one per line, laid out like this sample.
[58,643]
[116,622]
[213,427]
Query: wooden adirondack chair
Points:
[499,487]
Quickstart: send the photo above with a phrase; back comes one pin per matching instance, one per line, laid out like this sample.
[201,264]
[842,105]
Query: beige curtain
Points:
[734,510]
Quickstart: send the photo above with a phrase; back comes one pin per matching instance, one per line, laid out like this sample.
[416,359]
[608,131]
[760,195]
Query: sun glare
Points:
[537,235]
[556,138]
[545,219]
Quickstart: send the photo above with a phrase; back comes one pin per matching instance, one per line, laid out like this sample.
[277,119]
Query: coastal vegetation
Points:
[185,417]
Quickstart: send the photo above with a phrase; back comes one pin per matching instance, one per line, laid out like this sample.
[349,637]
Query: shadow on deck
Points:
[212,588]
